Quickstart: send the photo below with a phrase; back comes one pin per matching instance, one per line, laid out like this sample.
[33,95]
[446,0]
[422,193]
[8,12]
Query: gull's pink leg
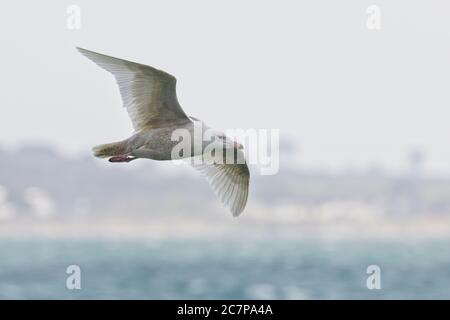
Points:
[123,158]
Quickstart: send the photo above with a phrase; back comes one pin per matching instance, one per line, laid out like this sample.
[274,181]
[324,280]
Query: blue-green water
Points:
[223,268]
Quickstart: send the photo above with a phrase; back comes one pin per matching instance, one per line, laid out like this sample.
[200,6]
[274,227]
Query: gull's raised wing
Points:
[148,94]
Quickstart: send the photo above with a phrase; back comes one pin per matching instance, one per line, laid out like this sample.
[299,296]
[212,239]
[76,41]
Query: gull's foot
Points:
[124,158]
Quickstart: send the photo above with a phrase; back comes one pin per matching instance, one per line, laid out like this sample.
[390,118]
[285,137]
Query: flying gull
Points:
[149,96]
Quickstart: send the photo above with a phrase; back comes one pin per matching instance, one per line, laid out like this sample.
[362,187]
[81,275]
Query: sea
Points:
[224,268]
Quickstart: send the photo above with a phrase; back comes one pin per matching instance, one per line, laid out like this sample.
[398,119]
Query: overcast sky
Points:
[347,95]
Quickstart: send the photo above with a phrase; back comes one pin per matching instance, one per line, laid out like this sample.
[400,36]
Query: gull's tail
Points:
[110,149]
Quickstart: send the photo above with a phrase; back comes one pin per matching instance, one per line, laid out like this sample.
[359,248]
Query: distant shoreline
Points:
[419,228]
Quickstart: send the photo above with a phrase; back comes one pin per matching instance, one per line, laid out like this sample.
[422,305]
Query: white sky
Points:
[349,96]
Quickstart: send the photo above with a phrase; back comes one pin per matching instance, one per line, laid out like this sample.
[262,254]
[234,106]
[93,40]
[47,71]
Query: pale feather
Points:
[148,94]
[230,182]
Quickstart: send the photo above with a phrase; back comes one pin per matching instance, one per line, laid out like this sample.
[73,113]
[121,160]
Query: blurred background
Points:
[364,174]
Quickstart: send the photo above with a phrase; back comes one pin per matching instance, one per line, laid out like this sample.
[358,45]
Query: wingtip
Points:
[237,212]
[86,52]
[81,50]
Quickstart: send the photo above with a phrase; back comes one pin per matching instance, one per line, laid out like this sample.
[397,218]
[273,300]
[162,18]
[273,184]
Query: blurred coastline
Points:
[43,192]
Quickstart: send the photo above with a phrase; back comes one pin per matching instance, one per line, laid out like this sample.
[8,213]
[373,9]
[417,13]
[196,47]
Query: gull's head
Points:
[227,142]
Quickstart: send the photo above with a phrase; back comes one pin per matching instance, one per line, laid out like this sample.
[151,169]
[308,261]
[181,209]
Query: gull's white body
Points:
[149,95]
